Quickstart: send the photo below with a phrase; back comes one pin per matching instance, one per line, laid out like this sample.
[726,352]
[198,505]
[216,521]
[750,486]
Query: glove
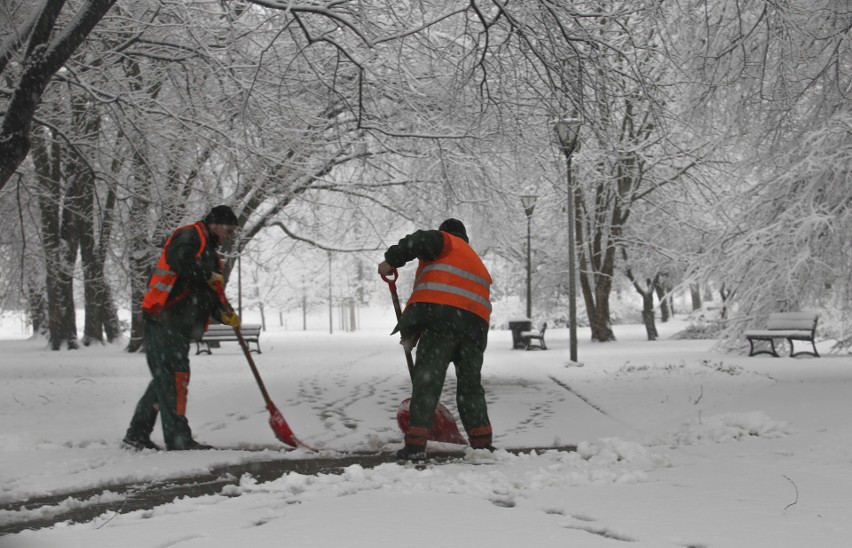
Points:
[232,319]
[216,282]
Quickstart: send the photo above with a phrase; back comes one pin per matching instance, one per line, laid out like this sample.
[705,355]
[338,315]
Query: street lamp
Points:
[528,201]
[568,131]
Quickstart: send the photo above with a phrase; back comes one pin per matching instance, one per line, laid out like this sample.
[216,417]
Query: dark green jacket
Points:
[427,245]
[190,315]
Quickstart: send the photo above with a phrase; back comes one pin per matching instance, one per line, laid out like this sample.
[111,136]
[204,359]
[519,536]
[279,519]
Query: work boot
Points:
[411,452]
[193,445]
[139,442]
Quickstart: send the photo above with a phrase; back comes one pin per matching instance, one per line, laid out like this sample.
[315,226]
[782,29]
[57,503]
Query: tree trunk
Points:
[596,271]
[62,309]
[141,259]
[143,256]
[102,297]
[648,313]
[724,293]
[100,312]
[112,324]
[101,307]
[70,231]
[663,296]
[647,293]
[59,286]
[602,321]
[695,294]
[648,310]
[37,305]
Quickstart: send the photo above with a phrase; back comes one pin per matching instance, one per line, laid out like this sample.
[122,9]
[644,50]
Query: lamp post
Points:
[528,201]
[568,131]
[239,279]
[330,306]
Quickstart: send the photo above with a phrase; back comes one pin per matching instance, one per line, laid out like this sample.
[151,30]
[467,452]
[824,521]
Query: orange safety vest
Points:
[163,279]
[456,278]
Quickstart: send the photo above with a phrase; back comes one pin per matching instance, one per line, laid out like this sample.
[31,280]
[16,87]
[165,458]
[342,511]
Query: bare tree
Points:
[50,41]
[779,76]
[606,67]
[645,287]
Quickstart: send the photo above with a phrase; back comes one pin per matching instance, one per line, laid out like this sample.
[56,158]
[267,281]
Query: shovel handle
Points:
[223,300]
[254,370]
[391,281]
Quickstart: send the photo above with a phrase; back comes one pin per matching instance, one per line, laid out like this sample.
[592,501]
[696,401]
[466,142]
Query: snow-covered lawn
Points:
[678,446]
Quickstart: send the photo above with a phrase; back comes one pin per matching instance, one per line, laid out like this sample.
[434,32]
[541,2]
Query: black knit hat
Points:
[454,227]
[221,215]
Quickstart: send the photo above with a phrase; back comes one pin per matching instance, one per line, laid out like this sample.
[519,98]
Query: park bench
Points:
[217,333]
[793,326]
[534,338]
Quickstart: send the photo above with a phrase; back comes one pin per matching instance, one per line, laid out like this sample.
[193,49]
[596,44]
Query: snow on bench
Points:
[527,338]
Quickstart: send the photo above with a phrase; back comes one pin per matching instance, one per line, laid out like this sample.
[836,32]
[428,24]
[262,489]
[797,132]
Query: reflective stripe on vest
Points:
[456,278]
[163,278]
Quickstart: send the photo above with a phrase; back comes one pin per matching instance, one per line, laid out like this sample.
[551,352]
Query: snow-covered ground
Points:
[678,446]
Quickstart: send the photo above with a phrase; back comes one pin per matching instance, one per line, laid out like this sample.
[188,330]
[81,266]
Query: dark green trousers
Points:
[435,351]
[167,352]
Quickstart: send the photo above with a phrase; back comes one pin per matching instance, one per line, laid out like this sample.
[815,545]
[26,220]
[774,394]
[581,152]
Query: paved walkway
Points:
[135,496]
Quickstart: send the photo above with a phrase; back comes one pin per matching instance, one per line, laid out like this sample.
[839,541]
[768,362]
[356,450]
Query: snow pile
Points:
[500,477]
[729,427]
[49,511]
[615,450]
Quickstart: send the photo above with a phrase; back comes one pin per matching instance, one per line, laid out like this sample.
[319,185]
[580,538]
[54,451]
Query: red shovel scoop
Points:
[443,427]
[279,425]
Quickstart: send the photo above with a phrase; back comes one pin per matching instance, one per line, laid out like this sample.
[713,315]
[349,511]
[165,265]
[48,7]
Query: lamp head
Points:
[528,201]
[568,132]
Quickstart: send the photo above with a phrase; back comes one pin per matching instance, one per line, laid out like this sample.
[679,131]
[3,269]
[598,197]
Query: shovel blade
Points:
[281,429]
[444,428]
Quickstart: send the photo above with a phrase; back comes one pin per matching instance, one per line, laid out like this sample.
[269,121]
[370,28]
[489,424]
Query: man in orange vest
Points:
[448,313]
[186,290]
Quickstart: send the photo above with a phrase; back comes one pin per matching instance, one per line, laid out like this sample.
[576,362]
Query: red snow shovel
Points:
[279,425]
[443,427]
